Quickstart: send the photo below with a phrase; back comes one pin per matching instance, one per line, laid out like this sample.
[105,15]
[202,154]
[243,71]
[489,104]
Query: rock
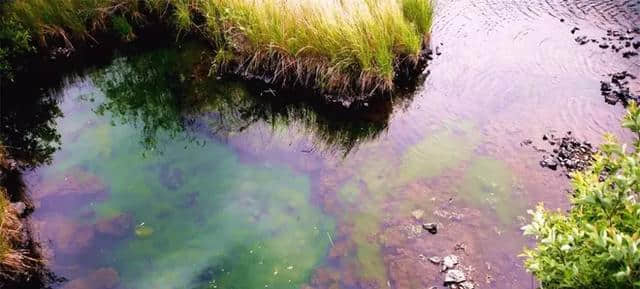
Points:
[435,260]
[454,276]
[573,31]
[466,285]
[449,262]
[430,227]
[19,207]
[549,162]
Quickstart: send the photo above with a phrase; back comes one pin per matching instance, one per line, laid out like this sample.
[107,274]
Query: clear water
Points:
[166,179]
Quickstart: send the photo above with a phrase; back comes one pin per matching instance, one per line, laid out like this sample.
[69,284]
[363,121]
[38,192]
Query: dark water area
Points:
[155,175]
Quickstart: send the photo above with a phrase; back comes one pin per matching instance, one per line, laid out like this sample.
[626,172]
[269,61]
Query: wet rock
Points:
[617,90]
[431,227]
[454,276]
[549,162]
[435,260]
[582,40]
[568,153]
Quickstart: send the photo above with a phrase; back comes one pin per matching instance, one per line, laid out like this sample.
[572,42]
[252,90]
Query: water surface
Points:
[169,179]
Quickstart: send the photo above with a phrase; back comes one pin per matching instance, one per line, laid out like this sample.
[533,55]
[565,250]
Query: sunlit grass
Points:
[331,45]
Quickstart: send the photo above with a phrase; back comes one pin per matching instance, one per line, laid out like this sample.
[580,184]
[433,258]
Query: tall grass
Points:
[332,45]
[13,261]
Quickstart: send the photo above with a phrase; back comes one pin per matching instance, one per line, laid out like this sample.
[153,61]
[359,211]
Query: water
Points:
[166,180]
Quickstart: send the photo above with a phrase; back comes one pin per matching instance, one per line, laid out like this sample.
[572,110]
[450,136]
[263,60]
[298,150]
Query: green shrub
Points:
[15,41]
[596,244]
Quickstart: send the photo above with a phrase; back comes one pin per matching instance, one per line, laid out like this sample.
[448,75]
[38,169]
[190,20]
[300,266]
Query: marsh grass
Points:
[335,46]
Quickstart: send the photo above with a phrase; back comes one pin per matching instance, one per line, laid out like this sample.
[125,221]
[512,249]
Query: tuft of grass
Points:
[332,45]
[13,261]
[335,46]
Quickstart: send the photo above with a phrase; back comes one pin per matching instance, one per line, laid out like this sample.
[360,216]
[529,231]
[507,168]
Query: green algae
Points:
[490,183]
[383,177]
[202,218]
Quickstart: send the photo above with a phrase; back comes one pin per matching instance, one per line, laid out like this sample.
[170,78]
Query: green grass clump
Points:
[341,46]
[596,245]
[332,45]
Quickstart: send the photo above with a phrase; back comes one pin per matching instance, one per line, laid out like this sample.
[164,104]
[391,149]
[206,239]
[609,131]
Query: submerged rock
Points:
[417,214]
[454,276]
[431,227]
[117,226]
[103,278]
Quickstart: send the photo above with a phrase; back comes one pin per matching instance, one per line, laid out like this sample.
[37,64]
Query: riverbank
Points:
[21,264]
[351,48]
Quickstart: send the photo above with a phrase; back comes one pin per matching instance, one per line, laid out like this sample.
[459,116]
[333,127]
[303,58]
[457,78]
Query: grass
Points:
[335,46]
[13,261]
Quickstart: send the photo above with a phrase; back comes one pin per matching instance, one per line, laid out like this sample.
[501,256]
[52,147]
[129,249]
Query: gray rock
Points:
[454,276]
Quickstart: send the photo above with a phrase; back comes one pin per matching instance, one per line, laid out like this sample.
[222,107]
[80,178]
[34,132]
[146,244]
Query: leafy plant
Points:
[596,244]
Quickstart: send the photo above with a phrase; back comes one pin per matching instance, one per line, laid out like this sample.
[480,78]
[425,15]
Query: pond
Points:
[167,178]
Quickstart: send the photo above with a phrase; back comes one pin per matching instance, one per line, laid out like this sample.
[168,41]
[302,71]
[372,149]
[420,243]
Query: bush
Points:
[15,40]
[596,244]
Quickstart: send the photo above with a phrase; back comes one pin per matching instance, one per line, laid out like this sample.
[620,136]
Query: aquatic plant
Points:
[348,47]
[596,244]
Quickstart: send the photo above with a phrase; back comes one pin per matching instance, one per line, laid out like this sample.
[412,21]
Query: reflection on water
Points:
[255,187]
[169,92]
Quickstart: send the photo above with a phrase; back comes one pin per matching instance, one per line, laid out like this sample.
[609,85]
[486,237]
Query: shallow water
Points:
[165,180]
